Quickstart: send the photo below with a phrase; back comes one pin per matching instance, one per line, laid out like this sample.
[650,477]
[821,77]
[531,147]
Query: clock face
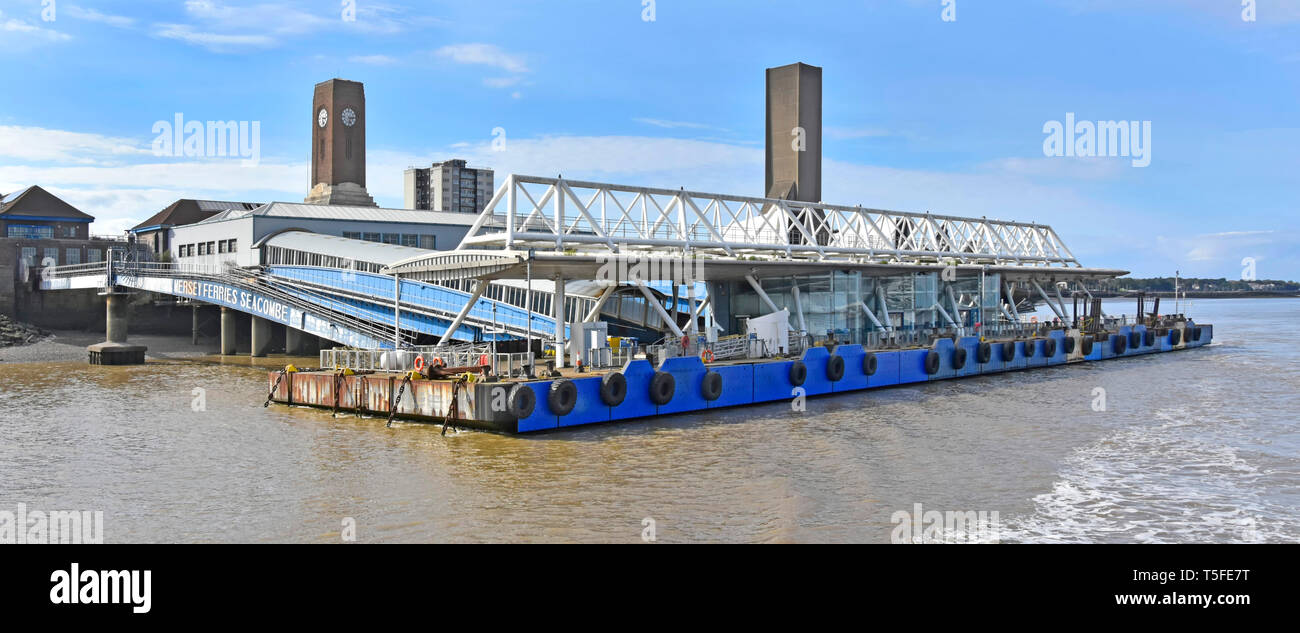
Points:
[349,117]
[322,118]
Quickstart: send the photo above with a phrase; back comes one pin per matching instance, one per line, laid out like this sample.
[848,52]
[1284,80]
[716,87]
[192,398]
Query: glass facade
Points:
[832,303]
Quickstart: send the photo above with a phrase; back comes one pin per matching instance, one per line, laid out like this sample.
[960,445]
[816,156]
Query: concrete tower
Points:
[794,133]
[338,144]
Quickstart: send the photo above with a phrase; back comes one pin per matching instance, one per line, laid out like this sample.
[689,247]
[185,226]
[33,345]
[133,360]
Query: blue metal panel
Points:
[637,404]
[1037,347]
[737,385]
[1096,351]
[1107,348]
[816,358]
[1019,360]
[1163,343]
[911,366]
[590,409]
[1060,356]
[688,372]
[996,362]
[542,418]
[1207,334]
[972,344]
[772,381]
[888,366]
[854,378]
[945,348]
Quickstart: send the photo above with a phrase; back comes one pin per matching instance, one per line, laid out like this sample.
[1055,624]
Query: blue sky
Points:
[920,113]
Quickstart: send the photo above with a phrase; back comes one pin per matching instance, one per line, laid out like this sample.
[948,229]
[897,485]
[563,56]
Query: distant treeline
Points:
[1166,284]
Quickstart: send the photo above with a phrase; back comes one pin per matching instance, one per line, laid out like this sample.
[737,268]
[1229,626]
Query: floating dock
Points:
[688,384]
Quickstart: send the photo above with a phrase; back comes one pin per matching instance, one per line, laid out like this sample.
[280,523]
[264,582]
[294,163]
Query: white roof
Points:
[338,212]
[335,246]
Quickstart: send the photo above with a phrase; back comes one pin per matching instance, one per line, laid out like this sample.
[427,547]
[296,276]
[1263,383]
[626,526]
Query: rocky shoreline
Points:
[13,333]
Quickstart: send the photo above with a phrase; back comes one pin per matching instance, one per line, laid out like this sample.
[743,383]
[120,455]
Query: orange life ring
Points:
[707,356]
[436,362]
[686,341]
[419,363]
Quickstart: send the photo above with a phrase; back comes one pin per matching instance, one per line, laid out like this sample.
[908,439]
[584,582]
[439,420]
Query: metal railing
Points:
[500,364]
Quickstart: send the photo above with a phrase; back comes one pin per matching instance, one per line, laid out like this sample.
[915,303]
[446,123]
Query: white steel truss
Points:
[567,215]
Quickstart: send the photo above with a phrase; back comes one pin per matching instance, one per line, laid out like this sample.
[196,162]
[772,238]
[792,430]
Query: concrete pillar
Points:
[228,331]
[295,341]
[558,304]
[261,337]
[117,308]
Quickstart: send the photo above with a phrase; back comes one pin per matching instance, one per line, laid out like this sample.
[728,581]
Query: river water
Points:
[1192,446]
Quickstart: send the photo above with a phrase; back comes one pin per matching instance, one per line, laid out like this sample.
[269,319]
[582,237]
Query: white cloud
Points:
[483,54]
[14,28]
[215,42]
[501,82]
[91,15]
[672,125]
[373,60]
[34,144]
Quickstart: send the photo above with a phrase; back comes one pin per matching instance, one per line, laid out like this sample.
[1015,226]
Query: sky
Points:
[929,105]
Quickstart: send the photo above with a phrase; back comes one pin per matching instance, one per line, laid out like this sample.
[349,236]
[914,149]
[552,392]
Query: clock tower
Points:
[338,145]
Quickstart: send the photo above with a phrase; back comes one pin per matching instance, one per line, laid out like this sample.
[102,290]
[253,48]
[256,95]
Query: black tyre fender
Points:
[869,364]
[1049,347]
[983,353]
[711,386]
[835,368]
[959,354]
[932,362]
[1119,344]
[662,387]
[521,401]
[1134,339]
[1031,348]
[798,373]
[562,397]
[613,389]
[1068,344]
[1196,333]
[1175,336]
[1008,351]
[1148,338]
[1085,346]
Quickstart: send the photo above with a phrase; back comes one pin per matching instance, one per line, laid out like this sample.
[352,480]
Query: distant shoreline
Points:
[1212,294]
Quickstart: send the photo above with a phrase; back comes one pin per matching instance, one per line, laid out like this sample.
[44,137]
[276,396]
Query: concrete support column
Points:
[194,324]
[558,304]
[118,313]
[228,332]
[261,337]
[295,343]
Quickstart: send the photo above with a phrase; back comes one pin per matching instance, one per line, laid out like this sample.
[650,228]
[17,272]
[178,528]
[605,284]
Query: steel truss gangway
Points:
[530,212]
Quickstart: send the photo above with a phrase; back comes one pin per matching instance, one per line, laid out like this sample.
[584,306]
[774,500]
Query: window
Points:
[50,254]
[212,248]
[372,237]
[221,246]
[203,249]
[72,256]
[410,240]
[29,255]
[429,242]
[93,255]
[31,232]
[230,245]
[351,236]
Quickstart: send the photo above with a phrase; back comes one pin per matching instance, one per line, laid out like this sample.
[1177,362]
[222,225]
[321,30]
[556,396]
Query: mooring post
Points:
[115,350]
